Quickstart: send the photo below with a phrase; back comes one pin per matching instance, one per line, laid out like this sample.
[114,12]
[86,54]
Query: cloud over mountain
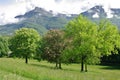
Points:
[19,7]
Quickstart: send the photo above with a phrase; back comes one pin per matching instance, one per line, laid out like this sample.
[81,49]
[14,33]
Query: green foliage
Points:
[89,41]
[109,37]
[24,42]
[4,49]
[84,37]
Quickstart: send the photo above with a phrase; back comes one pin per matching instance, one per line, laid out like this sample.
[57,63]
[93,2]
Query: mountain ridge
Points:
[43,20]
[39,19]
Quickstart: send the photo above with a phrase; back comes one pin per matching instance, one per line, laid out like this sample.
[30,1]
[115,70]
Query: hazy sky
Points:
[10,8]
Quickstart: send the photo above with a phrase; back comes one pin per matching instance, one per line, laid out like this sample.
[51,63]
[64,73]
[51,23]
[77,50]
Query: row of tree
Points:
[81,41]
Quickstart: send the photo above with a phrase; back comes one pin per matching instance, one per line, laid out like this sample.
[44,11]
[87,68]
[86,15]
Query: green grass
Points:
[16,69]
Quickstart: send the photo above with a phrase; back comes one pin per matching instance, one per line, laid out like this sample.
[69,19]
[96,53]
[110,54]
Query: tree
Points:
[4,49]
[90,41]
[53,46]
[109,37]
[83,33]
[109,42]
[24,43]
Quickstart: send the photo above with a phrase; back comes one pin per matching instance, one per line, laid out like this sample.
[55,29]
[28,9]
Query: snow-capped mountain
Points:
[39,19]
[99,12]
[43,20]
[42,12]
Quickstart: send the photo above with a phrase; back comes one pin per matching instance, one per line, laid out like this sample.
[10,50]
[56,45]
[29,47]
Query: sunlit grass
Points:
[4,75]
[16,69]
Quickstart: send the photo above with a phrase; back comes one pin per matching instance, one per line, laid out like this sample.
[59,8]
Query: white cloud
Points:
[8,12]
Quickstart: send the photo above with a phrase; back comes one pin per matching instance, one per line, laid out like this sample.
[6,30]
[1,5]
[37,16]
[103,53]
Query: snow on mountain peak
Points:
[57,6]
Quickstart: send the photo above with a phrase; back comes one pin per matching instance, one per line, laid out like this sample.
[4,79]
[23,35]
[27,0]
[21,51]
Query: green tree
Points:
[4,49]
[90,41]
[109,44]
[24,43]
[53,46]
[108,38]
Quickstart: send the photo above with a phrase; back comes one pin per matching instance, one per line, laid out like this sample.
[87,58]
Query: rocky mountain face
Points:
[43,20]
[100,12]
[95,12]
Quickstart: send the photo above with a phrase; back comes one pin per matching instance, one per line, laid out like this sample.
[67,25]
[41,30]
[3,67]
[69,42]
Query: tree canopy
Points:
[24,42]
[90,41]
[4,49]
[53,45]
[108,38]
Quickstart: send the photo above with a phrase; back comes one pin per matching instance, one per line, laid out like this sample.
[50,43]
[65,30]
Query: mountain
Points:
[39,19]
[43,20]
[95,12]
[98,12]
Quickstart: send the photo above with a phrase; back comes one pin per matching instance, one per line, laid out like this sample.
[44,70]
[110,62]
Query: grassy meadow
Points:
[16,69]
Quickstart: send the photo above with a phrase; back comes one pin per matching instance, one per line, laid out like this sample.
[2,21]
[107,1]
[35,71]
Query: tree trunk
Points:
[56,65]
[82,65]
[26,59]
[60,65]
[86,67]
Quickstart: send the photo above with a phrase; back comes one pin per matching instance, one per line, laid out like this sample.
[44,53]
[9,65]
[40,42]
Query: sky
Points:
[11,8]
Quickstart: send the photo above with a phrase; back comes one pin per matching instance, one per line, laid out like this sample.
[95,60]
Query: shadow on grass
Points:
[111,67]
[52,67]
[43,66]
[69,69]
